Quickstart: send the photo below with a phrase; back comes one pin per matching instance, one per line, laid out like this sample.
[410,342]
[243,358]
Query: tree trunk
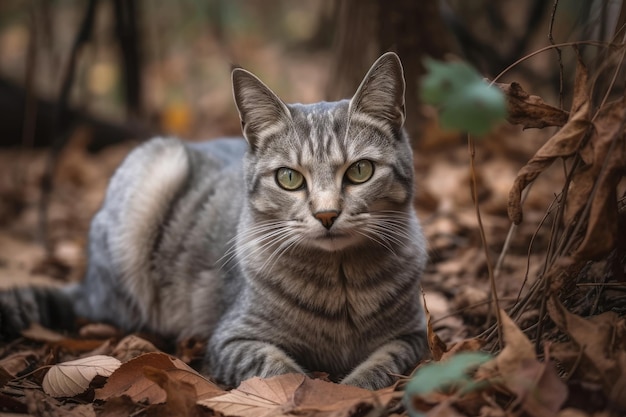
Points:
[368,28]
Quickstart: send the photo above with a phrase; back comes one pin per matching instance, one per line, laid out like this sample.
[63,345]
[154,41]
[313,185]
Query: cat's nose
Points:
[327,217]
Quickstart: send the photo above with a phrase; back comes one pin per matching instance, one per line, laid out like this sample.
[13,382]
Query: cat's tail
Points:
[51,307]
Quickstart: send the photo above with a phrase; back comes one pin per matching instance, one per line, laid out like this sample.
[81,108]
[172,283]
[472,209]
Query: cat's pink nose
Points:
[327,217]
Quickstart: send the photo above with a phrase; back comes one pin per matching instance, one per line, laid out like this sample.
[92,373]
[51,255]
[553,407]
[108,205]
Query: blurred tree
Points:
[367,28]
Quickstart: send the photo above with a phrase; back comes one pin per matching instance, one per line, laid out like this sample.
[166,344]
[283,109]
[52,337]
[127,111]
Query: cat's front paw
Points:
[372,379]
[242,360]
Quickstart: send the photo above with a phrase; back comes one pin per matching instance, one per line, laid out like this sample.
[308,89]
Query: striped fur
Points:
[202,240]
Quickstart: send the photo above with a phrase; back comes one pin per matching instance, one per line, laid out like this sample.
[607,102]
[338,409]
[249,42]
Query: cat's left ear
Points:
[380,97]
[261,112]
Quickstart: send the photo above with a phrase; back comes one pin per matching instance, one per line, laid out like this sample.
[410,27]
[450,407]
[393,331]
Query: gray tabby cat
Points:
[296,250]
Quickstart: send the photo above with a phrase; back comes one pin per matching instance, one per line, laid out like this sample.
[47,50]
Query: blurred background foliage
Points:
[157,66]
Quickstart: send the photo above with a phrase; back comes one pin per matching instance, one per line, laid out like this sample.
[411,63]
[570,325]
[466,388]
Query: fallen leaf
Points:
[618,391]
[78,345]
[436,346]
[131,347]
[71,378]
[18,361]
[605,158]
[98,331]
[538,388]
[466,345]
[528,110]
[180,395]
[291,394]
[322,398]
[258,397]
[39,404]
[594,338]
[38,333]
[129,379]
[119,406]
[517,348]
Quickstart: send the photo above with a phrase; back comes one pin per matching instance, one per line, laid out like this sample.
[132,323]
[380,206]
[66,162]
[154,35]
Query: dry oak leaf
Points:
[71,378]
[130,380]
[290,394]
[528,110]
[564,143]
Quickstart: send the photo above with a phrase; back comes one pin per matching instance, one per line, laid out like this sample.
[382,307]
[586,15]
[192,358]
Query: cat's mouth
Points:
[334,241]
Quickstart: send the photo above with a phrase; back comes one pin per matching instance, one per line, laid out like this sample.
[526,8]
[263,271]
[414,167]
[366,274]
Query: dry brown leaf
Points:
[258,397]
[98,331]
[517,349]
[436,346]
[297,394]
[595,339]
[71,378]
[79,345]
[528,110]
[18,361]
[131,347]
[564,143]
[618,390]
[119,406]
[180,395]
[538,388]
[40,404]
[605,156]
[129,379]
[466,345]
[38,333]
[536,385]
[322,398]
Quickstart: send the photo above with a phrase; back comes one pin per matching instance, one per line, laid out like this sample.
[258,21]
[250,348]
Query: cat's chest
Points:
[335,298]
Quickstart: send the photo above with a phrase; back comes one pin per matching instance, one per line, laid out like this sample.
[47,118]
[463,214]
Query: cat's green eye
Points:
[289,179]
[360,171]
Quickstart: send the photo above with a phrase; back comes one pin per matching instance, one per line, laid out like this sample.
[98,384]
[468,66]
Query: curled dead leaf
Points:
[528,110]
[436,346]
[605,158]
[71,378]
[566,142]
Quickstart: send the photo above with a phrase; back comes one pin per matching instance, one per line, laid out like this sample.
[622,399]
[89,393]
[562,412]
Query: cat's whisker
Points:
[249,238]
[262,243]
[398,232]
[387,236]
[284,246]
[373,236]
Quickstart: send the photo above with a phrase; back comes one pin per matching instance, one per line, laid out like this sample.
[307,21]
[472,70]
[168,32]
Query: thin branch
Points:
[481,228]
[558,52]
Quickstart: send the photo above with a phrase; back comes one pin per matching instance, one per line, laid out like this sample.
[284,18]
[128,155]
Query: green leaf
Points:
[441,375]
[465,100]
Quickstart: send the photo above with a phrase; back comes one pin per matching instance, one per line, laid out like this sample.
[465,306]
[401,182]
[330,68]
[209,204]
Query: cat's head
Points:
[329,175]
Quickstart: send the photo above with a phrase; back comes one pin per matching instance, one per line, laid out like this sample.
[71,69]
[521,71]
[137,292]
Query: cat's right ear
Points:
[261,112]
